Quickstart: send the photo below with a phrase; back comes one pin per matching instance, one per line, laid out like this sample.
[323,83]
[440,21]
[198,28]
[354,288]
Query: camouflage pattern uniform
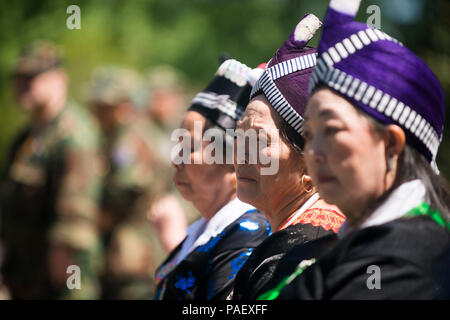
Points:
[49,201]
[132,182]
[49,206]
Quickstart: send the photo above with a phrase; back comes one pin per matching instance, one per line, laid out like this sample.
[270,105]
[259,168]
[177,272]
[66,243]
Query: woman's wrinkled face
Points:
[344,155]
[267,190]
[198,180]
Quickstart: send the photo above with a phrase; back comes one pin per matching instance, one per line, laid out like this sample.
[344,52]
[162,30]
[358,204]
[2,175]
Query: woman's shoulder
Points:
[416,240]
[274,257]
[251,220]
[272,249]
[303,251]
[249,230]
[412,256]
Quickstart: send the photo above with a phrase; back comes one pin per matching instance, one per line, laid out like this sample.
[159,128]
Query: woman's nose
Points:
[241,153]
[315,151]
[175,165]
[178,161]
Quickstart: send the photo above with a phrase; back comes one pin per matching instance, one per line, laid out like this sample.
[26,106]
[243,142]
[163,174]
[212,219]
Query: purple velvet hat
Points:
[377,74]
[286,77]
[225,98]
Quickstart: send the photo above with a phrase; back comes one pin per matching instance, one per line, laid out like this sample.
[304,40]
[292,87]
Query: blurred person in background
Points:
[295,210]
[50,191]
[204,265]
[167,98]
[133,180]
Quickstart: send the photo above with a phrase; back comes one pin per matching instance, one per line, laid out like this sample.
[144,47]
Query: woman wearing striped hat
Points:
[287,198]
[372,128]
[205,264]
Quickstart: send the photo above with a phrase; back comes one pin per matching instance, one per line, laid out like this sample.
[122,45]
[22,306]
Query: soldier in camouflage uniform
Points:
[50,191]
[133,181]
[168,98]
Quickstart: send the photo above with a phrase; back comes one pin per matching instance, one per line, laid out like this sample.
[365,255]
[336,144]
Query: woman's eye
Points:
[263,140]
[306,135]
[331,130]
[194,146]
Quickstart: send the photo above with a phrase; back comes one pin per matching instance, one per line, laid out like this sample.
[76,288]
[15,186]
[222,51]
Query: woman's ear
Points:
[395,139]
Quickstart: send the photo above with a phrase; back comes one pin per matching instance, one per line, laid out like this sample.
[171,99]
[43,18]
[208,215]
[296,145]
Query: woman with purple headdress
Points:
[296,212]
[372,128]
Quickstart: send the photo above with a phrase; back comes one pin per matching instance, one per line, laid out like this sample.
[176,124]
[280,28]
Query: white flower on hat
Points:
[254,75]
[349,7]
[234,71]
[306,28]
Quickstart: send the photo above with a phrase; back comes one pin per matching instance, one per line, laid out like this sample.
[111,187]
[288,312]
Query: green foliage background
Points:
[190,35]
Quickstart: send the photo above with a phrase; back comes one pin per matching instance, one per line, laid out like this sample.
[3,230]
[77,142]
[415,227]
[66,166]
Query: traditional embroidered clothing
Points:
[303,226]
[410,268]
[205,264]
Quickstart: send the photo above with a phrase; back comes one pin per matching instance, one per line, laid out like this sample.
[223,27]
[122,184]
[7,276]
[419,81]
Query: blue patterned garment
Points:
[209,270]
[238,262]
[185,283]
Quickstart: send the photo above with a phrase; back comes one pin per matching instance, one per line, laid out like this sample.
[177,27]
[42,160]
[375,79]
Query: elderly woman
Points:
[205,264]
[287,198]
[372,128]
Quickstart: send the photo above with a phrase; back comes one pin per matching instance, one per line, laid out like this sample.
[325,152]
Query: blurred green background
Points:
[190,35]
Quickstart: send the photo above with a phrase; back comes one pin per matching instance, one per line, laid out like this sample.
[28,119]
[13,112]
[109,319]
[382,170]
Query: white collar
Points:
[201,231]
[407,196]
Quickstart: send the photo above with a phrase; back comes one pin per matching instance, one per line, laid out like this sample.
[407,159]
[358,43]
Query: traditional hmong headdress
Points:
[285,79]
[225,98]
[380,76]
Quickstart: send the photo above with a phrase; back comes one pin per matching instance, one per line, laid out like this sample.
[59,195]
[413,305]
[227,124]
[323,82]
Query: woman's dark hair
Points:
[412,165]
[289,135]
[293,139]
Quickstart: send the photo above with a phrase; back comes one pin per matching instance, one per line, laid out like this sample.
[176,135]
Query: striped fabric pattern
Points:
[367,94]
[267,85]
[221,102]
[293,65]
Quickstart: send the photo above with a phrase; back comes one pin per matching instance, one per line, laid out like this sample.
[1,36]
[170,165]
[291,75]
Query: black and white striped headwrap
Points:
[225,98]
[284,82]
[266,85]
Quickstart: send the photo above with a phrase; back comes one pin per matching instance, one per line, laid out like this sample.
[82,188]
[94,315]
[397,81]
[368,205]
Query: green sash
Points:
[273,293]
[425,210]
